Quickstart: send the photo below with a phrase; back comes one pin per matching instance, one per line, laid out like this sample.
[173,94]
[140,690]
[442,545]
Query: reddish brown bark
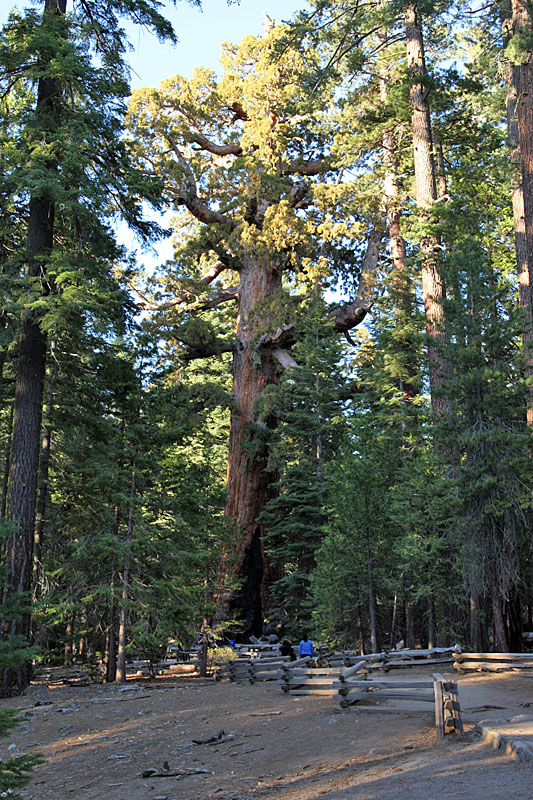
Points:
[516,21]
[248,482]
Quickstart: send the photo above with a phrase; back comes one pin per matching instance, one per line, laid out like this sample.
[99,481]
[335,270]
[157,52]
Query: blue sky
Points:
[200,34]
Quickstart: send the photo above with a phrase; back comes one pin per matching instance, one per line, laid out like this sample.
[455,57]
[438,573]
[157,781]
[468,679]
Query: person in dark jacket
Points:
[286,649]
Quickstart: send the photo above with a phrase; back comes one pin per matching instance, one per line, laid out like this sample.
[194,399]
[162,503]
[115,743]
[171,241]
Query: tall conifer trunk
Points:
[120,675]
[7,461]
[248,482]
[426,194]
[404,298]
[29,388]
[516,19]
[42,492]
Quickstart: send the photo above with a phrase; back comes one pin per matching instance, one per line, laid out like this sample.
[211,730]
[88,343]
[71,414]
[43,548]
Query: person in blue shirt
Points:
[306,647]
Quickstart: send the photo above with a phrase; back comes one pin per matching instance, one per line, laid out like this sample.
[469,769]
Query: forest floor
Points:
[97,741]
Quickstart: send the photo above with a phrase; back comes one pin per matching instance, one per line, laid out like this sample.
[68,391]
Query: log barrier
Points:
[494,662]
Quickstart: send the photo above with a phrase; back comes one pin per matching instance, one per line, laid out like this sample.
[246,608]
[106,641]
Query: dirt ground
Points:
[99,741]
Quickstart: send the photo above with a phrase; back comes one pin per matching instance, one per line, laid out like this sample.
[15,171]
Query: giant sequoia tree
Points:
[247,160]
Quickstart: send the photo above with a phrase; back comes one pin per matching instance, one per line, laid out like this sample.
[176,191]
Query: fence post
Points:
[438,680]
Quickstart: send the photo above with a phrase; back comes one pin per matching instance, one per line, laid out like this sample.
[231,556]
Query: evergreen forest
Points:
[317,414]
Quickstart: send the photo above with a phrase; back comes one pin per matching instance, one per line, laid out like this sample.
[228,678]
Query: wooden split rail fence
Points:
[264,666]
[251,670]
[354,687]
[494,662]
[394,659]
[442,693]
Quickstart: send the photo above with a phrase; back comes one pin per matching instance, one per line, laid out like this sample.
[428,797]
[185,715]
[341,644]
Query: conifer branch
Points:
[211,302]
[199,350]
[224,296]
[284,358]
[315,167]
[347,316]
[344,317]
[217,149]
[190,199]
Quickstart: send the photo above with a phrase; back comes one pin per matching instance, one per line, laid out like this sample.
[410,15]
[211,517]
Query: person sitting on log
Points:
[306,646]
[286,649]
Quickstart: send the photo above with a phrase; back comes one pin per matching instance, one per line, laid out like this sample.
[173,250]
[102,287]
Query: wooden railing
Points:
[493,662]
[251,670]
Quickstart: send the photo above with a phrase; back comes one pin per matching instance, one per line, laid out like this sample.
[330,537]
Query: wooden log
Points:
[346,691]
[391,709]
[271,660]
[298,662]
[423,698]
[387,684]
[309,682]
[298,673]
[435,651]
[494,657]
[308,691]
[370,656]
[439,710]
[352,671]
[343,690]
[265,676]
[350,699]
[448,686]
[422,662]
[346,702]
[486,666]
[452,704]
[310,671]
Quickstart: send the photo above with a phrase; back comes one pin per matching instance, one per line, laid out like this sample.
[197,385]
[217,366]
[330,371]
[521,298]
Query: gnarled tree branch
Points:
[344,317]
[217,149]
[347,316]
[202,350]
[284,358]
[188,195]
[206,279]
[314,167]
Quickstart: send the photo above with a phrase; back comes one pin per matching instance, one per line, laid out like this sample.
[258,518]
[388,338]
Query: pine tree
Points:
[309,409]
[68,161]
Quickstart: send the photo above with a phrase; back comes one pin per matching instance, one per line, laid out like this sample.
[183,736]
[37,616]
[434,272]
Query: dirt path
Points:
[98,741]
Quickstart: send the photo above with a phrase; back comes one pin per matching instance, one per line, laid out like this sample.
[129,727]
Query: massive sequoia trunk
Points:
[248,481]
